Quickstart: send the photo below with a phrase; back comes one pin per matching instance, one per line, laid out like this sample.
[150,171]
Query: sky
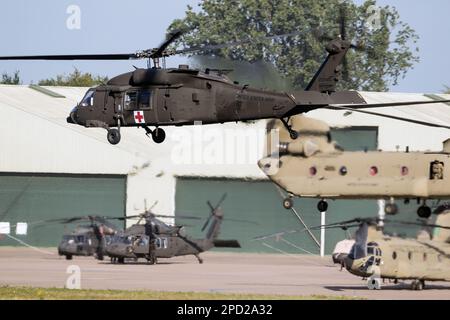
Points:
[40,27]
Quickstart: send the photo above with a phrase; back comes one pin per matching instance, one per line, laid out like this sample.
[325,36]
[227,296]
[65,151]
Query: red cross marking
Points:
[138,117]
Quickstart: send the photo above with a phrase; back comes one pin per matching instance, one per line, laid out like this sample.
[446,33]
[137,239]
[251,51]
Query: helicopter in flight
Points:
[314,166]
[86,239]
[155,239]
[158,97]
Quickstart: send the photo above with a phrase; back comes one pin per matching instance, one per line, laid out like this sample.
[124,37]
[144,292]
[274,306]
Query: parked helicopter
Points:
[181,96]
[155,239]
[377,256]
[86,240]
[313,166]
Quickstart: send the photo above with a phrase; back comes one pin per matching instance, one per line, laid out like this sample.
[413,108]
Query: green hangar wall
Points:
[259,204]
[31,198]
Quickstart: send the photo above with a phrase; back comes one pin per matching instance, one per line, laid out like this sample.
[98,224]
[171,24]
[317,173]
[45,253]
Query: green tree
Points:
[10,79]
[386,57]
[75,79]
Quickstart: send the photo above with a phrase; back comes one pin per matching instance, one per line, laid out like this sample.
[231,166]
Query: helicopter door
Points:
[140,104]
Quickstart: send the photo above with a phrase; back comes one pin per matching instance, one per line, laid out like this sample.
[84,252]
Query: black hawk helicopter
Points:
[155,239]
[87,239]
[156,97]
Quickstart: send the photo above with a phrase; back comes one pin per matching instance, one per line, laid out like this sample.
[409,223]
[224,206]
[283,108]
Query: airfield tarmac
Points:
[220,273]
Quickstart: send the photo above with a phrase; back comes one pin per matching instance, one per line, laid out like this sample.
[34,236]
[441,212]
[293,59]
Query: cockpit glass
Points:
[88,99]
[72,238]
[122,239]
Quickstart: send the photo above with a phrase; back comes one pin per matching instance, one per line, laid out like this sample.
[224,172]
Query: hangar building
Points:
[50,169]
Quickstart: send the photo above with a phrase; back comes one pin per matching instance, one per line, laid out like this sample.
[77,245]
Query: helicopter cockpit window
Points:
[88,100]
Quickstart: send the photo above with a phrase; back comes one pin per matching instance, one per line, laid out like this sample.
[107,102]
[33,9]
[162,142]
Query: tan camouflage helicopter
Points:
[379,257]
[314,166]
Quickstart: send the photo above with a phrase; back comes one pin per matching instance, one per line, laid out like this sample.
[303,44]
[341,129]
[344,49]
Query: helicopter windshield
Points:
[88,99]
[122,239]
[74,239]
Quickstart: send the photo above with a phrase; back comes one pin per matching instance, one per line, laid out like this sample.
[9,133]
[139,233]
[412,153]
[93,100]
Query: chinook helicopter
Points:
[314,166]
[157,97]
[378,257]
[86,240]
[155,239]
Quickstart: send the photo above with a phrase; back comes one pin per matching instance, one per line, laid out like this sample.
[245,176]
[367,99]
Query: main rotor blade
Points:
[430,225]
[126,56]
[233,43]
[158,53]
[423,123]
[176,216]
[382,105]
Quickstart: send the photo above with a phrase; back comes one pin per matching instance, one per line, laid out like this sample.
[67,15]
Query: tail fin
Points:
[327,77]
[440,234]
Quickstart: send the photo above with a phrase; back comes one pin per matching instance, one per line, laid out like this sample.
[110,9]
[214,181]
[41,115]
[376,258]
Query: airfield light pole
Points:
[322,233]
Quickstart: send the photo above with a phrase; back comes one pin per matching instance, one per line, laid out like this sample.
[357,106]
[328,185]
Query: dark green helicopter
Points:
[156,96]
[155,239]
[87,239]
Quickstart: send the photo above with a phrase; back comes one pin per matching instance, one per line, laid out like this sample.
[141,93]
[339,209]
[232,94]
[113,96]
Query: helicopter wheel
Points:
[424,212]
[293,134]
[322,206]
[121,260]
[113,136]
[69,257]
[158,135]
[418,285]
[391,209]
[288,203]
[374,284]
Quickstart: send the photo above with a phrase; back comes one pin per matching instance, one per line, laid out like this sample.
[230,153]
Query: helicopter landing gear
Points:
[424,211]
[152,260]
[113,136]
[158,135]
[288,203]
[374,284]
[293,134]
[391,209]
[121,260]
[200,260]
[69,257]
[418,285]
[322,206]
